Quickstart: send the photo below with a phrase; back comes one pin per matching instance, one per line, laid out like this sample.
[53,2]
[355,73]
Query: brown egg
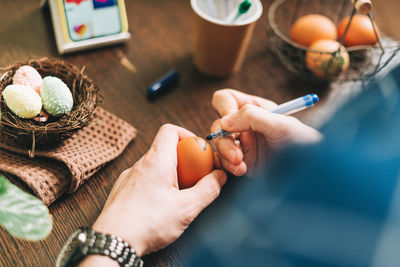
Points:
[327,65]
[311,28]
[361,31]
[195,160]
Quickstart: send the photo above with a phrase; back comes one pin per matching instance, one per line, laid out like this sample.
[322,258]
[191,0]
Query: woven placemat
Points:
[63,168]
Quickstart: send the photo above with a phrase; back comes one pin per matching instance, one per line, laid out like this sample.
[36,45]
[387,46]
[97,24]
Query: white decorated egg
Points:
[22,100]
[56,96]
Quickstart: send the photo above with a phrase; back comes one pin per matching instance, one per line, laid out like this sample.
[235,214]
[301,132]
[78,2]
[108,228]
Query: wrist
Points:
[135,239]
[98,260]
[89,243]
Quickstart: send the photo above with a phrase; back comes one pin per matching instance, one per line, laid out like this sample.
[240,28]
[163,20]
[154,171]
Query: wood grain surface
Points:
[162,34]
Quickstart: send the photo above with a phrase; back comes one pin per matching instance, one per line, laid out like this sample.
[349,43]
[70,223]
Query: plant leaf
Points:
[3,185]
[23,215]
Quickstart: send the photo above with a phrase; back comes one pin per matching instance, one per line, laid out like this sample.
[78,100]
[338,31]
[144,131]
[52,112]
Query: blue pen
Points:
[163,84]
[285,108]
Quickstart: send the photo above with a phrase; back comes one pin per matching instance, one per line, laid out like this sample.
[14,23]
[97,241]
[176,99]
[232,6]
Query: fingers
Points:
[254,118]
[230,155]
[237,170]
[217,161]
[226,101]
[277,129]
[167,140]
[205,191]
[250,149]
[226,147]
[162,155]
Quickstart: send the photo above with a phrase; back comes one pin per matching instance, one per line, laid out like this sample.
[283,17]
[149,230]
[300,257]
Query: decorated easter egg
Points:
[22,100]
[195,160]
[28,76]
[56,96]
[327,59]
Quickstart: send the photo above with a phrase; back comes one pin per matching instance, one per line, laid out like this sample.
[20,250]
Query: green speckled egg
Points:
[22,100]
[56,96]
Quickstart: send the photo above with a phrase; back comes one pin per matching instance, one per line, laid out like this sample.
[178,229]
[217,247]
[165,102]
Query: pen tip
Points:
[209,137]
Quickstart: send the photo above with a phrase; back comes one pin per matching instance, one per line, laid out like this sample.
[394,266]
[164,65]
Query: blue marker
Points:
[163,84]
[287,108]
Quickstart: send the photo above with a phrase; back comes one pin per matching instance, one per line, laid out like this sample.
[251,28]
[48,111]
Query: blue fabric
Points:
[328,204]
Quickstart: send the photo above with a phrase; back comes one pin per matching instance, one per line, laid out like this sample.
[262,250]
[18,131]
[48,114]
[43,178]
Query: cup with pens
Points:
[223,30]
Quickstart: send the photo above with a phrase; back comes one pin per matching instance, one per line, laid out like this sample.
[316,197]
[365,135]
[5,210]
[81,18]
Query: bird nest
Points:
[33,133]
[365,61]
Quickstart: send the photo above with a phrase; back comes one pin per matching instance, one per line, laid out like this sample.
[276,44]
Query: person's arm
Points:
[258,130]
[145,206]
[98,261]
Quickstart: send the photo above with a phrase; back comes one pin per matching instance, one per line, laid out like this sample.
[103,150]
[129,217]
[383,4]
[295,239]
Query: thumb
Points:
[206,190]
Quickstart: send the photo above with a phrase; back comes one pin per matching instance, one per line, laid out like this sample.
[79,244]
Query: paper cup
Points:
[219,44]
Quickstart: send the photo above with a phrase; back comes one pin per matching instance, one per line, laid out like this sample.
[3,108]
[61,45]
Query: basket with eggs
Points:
[43,101]
[321,40]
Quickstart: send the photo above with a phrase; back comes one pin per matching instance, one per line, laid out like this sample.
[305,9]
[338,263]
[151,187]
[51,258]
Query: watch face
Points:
[72,250]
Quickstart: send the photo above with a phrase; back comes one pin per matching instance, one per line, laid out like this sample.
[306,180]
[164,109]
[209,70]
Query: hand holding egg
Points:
[148,190]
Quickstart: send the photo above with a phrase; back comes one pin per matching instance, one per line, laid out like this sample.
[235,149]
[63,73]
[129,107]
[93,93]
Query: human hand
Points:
[145,206]
[257,129]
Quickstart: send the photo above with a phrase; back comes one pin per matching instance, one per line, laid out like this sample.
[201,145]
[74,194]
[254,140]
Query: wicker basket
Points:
[31,133]
[365,61]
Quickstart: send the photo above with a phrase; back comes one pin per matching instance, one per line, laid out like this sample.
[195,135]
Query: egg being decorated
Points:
[28,76]
[56,96]
[195,160]
[311,28]
[360,32]
[22,100]
[327,59]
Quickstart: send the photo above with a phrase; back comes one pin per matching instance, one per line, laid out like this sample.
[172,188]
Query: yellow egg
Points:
[311,28]
[327,59]
[22,100]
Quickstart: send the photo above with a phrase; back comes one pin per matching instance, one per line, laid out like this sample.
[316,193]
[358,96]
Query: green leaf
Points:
[3,185]
[23,215]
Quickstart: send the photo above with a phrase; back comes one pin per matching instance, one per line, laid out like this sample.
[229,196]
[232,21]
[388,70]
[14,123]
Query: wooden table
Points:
[162,40]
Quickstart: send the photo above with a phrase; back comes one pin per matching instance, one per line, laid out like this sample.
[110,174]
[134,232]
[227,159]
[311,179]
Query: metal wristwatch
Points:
[86,241]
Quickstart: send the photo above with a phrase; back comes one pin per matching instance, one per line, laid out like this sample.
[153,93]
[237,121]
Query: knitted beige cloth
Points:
[63,168]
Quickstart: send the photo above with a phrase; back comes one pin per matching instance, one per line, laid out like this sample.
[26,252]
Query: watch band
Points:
[86,241]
